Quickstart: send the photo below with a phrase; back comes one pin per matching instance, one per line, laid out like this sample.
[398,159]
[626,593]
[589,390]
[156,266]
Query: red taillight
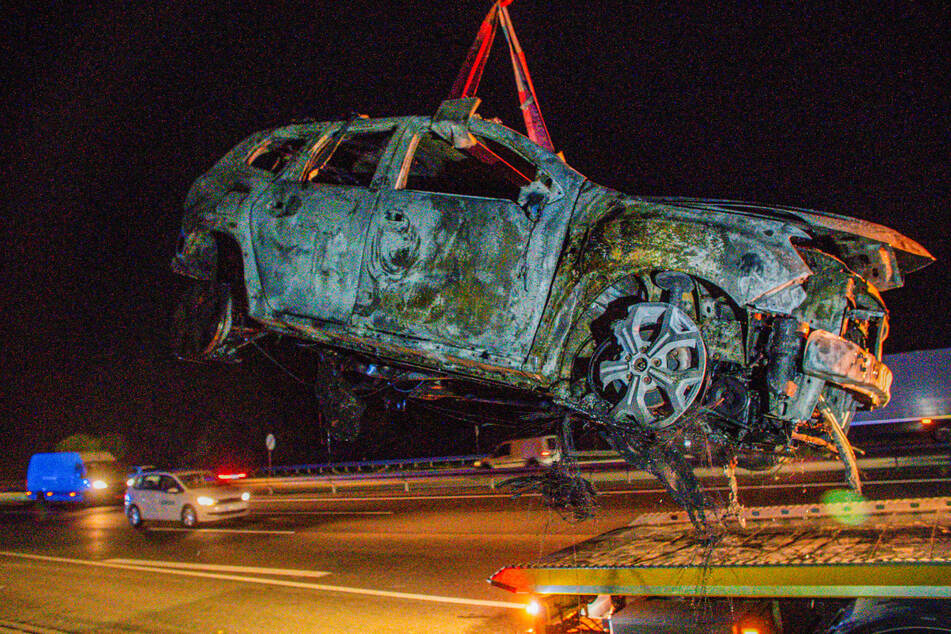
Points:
[232,476]
[546,453]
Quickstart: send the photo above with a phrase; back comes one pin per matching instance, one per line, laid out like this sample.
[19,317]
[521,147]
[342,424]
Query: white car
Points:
[190,497]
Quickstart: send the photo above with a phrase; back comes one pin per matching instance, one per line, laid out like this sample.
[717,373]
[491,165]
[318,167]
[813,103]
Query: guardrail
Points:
[371,466]
[596,471]
[400,464]
[598,467]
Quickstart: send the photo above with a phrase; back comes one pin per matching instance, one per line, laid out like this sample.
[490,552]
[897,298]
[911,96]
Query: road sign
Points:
[270,442]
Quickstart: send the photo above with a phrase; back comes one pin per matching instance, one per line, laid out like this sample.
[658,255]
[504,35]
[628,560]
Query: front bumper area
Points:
[839,361]
[219,512]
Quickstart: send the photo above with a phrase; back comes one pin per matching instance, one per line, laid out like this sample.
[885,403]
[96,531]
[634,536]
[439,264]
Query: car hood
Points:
[217,493]
[881,254]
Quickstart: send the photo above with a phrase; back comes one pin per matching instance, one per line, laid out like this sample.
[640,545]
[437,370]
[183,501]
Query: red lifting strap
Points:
[528,101]
[467,82]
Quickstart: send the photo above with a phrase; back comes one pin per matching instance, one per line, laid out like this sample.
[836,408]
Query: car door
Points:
[458,253]
[308,226]
[145,493]
[169,499]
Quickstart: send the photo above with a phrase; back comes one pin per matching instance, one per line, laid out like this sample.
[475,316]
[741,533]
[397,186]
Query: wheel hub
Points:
[652,369]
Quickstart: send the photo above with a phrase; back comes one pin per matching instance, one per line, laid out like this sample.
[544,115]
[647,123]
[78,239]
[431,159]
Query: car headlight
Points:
[99,484]
[245,496]
[204,500]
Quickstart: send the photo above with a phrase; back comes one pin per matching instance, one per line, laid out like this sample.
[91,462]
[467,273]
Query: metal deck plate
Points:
[894,548]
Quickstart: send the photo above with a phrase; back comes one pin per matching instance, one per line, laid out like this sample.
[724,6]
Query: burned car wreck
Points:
[456,249]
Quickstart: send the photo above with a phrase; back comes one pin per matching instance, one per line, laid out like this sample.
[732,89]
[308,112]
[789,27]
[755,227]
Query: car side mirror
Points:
[533,204]
[173,490]
[534,196]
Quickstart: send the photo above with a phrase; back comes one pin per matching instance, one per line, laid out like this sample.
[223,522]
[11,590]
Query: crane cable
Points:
[467,81]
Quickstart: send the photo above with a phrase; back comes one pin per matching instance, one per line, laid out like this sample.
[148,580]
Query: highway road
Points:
[367,562]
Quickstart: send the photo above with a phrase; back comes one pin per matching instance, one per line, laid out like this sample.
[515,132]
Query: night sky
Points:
[111,113]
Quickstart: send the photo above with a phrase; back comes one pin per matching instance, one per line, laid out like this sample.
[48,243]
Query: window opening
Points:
[275,155]
[200,480]
[487,169]
[353,160]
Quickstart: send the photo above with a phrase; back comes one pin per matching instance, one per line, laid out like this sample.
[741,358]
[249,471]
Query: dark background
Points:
[112,112]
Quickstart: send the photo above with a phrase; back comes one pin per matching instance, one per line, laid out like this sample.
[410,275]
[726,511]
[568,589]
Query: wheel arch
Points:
[212,256]
[587,309]
[749,259]
[206,255]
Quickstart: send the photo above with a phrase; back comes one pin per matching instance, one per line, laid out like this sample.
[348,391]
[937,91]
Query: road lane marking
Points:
[330,513]
[388,594]
[250,531]
[287,572]
[19,627]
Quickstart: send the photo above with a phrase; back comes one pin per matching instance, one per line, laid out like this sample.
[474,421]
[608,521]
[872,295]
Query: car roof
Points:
[176,472]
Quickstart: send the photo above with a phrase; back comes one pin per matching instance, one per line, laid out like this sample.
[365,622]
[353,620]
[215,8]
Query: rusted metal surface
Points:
[458,247]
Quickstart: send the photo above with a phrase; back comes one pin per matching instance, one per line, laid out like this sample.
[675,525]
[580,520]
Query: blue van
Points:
[70,476]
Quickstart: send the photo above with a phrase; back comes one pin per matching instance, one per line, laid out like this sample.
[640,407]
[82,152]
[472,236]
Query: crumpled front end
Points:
[845,364]
[756,330]
[824,357]
[813,348]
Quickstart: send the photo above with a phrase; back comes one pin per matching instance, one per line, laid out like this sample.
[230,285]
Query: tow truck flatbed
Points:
[887,549]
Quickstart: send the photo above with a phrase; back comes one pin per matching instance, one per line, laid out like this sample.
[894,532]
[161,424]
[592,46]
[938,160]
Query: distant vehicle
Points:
[231,468]
[523,452]
[231,474]
[138,469]
[70,476]
[190,497]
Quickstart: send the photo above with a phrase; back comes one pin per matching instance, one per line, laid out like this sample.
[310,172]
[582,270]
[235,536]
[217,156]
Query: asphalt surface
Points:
[368,562]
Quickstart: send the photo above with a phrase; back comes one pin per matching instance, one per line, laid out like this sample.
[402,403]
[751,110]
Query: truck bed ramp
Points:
[886,548]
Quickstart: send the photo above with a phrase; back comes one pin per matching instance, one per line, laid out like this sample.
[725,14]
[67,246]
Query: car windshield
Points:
[200,480]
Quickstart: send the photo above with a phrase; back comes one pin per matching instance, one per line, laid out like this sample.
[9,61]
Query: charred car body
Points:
[457,249]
